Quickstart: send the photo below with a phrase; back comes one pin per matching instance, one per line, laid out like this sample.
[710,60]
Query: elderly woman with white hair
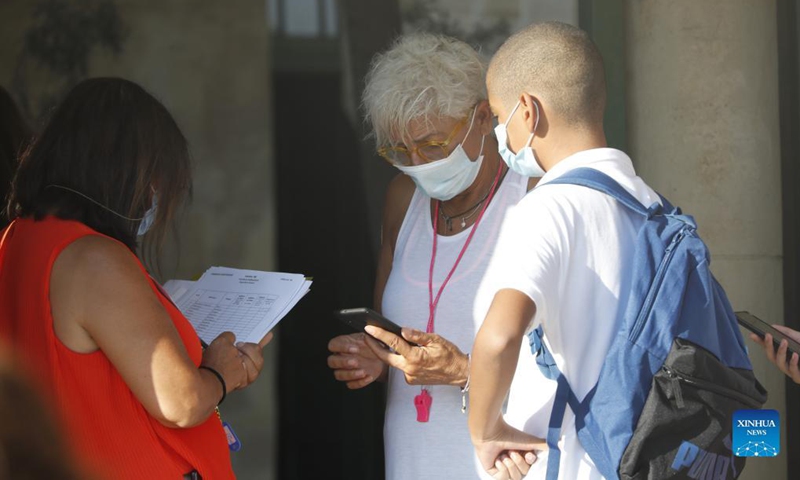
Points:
[426,101]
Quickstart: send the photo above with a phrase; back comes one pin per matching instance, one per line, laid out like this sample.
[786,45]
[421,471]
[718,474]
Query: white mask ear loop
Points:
[535,125]
[513,111]
[471,122]
[94,201]
[483,140]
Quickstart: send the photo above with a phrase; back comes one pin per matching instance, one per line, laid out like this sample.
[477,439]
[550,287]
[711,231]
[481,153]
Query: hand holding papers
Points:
[248,303]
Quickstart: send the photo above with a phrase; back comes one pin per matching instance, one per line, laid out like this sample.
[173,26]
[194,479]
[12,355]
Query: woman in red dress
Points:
[124,369]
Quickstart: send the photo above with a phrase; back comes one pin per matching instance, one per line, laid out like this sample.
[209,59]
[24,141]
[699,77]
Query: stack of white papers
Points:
[248,303]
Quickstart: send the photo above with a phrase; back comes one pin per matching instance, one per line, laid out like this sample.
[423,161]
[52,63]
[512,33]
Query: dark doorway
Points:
[329,186]
[325,430]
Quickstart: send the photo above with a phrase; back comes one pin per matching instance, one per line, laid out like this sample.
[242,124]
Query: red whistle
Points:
[423,403]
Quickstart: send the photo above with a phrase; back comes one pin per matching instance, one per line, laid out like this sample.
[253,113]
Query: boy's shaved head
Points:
[556,62]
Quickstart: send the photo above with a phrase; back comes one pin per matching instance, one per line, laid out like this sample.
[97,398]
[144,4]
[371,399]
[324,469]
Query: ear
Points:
[483,118]
[531,109]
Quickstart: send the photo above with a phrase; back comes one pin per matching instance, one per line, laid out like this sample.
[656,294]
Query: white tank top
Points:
[440,448]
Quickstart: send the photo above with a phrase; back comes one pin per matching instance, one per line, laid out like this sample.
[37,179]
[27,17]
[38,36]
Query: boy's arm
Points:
[494,361]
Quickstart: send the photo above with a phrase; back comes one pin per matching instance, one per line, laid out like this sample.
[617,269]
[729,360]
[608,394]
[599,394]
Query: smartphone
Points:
[761,328]
[358,318]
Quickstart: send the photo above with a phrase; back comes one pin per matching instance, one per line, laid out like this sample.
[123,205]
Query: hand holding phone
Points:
[353,361]
[358,318]
[439,362]
[761,328]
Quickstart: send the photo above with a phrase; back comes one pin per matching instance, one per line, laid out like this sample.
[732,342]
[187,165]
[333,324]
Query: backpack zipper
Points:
[676,377]
[648,302]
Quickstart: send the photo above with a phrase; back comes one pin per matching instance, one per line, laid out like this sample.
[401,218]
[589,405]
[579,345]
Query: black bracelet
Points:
[221,381]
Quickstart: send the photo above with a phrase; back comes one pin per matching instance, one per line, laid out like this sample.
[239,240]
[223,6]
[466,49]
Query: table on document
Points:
[243,312]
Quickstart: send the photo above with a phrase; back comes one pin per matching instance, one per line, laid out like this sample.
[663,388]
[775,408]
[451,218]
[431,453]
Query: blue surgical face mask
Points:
[448,177]
[523,162]
[149,217]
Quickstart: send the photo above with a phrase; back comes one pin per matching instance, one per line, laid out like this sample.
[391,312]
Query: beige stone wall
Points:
[703,130]
[208,63]
[520,13]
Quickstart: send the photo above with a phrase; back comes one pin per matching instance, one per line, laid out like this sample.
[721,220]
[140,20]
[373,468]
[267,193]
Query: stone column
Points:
[702,105]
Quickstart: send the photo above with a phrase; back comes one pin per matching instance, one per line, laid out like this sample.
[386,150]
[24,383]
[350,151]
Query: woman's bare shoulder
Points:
[398,198]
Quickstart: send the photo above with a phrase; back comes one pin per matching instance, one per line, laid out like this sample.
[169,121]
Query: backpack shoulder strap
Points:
[564,397]
[597,180]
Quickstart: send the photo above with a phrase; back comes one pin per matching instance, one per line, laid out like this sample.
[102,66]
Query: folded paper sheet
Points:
[248,303]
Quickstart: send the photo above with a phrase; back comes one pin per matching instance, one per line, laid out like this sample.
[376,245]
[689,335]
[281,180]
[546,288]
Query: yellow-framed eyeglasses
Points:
[429,151]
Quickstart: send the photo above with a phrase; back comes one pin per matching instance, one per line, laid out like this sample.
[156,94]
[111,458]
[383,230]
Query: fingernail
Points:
[368,378]
[352,350]
[352,362]
[530,458]
[239,344]
[359,372]
[369,329]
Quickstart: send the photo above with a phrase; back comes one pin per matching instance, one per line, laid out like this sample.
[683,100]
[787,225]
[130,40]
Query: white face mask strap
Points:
[535,125]
[94,201]
[471,122]
[483,137]
[513,111]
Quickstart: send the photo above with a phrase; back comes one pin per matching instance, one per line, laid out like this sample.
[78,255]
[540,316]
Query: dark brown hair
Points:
[113,142]
[14,135]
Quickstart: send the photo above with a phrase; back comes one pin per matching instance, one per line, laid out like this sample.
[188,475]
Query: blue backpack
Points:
[676,371]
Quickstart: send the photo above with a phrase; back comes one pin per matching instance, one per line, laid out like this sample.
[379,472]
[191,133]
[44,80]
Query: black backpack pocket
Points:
[685,428]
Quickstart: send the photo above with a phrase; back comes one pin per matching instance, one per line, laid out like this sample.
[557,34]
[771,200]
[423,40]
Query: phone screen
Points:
[358,318]
[761,328]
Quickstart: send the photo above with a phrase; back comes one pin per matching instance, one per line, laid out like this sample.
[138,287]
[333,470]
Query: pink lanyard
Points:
[423,401]
[432,304]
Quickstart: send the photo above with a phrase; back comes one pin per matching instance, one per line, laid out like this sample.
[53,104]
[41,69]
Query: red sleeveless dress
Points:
[106,426]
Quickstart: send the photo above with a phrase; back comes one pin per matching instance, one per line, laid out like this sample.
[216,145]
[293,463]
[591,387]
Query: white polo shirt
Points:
[569,248]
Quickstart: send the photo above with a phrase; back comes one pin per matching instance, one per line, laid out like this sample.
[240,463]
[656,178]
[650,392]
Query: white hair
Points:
[422,76]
